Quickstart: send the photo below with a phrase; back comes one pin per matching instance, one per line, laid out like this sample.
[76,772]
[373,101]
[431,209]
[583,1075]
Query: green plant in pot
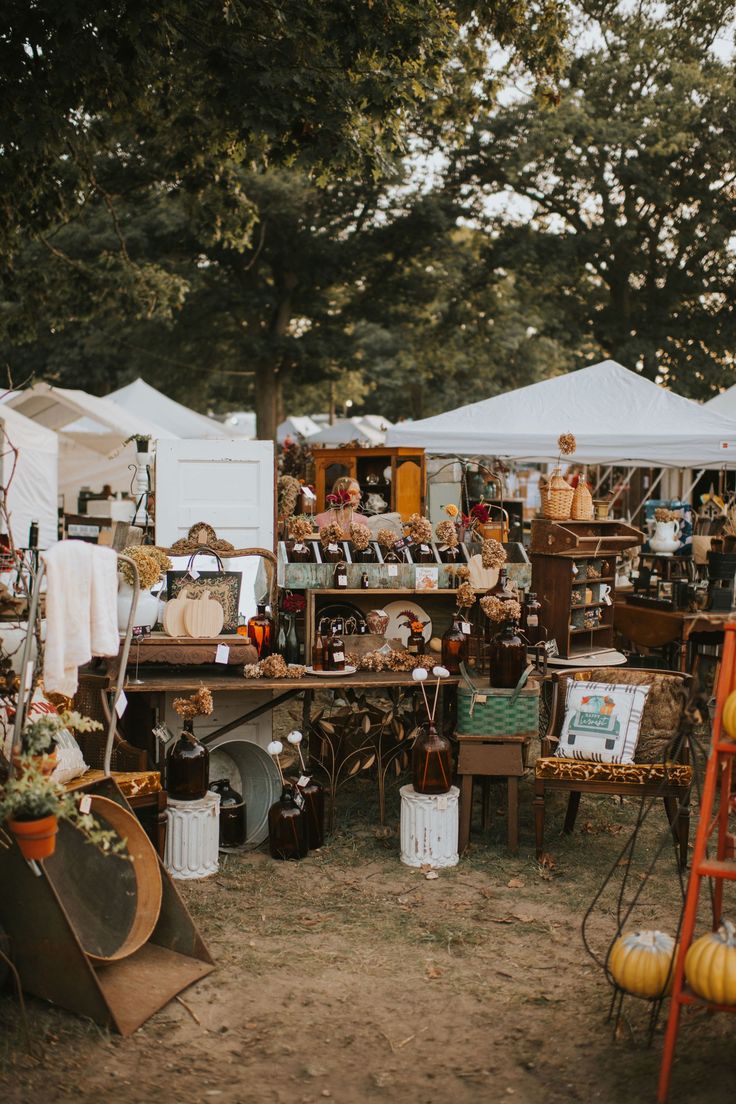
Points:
[31,804]
[39,737]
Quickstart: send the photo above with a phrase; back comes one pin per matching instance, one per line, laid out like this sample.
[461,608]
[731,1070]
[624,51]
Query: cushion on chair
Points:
[70,762]
[131,783]
[601,721]
[663,708]
[581,770]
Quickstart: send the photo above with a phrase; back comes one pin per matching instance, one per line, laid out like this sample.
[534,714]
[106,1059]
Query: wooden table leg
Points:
[466,811]
[512,813]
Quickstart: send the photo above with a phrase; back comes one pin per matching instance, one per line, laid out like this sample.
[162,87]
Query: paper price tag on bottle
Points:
[342,580]
[303,780]
[308,494]
[121,704]
[298,799]
[393,569]
[338,657]
[222,654]
[465,627]
[333,547]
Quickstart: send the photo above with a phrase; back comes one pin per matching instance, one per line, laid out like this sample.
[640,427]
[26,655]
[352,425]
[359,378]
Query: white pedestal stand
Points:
[429,827]
[192,835]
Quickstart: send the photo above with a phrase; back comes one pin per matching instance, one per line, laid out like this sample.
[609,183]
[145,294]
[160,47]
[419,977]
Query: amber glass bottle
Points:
[232,814]
[187,766]
[260,631]
[422,554]
[301,552]
[340,576]
[335,647]
[507,657]
[287,826]
[314,811]
[431,762]
[454,646]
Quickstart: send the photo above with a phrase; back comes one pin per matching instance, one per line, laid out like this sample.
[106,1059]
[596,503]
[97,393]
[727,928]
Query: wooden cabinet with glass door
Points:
[390,479]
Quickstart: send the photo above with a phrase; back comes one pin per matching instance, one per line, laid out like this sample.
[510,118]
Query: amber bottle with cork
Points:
[318,649]
[260,631]
[454,645]
[335,647]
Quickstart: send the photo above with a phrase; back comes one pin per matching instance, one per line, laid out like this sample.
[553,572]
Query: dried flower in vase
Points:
[289,491]
[386,538]
[338,500]
[663,513]
[198,704]
[330,534]
[567,444]
[500,609]
[293,603]
[360,535]
[492,553]
[459,571]
[465,596]
[451,510]
[151,563]
[300,528]
[419,529]
[447,533]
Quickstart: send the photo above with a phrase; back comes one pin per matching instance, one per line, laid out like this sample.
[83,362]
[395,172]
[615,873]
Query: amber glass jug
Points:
[260,631]
[454,646]
[232,814]
[431,762]
[187,766]
[507,656]
[314,811]
[287,826]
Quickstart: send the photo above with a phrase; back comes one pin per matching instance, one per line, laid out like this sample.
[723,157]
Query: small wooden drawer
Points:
[492,758]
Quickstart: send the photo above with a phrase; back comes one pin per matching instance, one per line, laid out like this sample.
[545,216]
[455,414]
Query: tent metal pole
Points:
[602,478]
[625,479]
[686,493]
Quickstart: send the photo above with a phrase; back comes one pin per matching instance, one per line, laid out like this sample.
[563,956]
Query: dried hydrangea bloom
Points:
[330,534]
[289,491]
[447,533]
[492,553]
[196,705]
[420,529]
[567,444]
[500,609]
[252,670]
[360,535]
[300,528]
[663,513]
[386,538]
[465,596]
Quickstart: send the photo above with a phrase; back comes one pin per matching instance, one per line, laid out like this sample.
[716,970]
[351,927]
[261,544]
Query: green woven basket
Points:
[487,711]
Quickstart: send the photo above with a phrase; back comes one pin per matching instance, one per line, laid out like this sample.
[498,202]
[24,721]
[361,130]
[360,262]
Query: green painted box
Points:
[487,711]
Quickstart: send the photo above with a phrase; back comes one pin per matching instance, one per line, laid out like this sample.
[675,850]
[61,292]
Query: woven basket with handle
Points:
[558,501]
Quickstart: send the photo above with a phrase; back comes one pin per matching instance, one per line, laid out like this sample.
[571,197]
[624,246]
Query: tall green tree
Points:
[620,205]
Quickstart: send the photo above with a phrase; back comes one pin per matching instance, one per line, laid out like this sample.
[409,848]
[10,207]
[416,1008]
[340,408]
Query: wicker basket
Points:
[582,502]
[557,502]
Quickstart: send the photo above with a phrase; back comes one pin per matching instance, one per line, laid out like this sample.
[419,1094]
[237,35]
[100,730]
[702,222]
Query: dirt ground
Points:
[350,977]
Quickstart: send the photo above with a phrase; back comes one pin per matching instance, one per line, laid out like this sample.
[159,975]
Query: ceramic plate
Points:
[395,631]
[331,674]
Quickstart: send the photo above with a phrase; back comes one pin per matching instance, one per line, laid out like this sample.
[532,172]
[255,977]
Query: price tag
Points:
[481,698]
[222,654]
[121,704]
[298,799]
[338,657]
[303,780]
[424,548]
[393,569]
[342,580]
[333,548]
[465,626]
[193,573]
[85,803]
[575,569]
[309,493]
[298,547]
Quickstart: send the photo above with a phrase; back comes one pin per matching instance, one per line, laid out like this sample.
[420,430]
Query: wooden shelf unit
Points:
[553,581]
[404,492]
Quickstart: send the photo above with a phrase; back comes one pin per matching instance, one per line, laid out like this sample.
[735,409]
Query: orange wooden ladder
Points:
[720,869]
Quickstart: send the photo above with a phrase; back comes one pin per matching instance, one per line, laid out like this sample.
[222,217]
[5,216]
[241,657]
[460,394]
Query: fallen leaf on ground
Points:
[487,893]
[548,861]
[433,972]
[516,883]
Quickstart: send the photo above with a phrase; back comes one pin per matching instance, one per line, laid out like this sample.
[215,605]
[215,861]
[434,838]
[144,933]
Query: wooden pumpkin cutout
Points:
[174,614]
[203,616]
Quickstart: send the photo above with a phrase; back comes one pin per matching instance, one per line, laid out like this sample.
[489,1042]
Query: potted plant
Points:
[39,737]
[31,805]
[152,563]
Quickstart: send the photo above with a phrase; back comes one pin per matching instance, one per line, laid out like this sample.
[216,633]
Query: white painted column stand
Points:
[192,836]
[429,827]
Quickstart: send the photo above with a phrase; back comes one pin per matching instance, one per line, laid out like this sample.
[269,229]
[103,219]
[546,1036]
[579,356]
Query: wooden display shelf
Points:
[404,493]
[583,538]
[162,682]
[553,582]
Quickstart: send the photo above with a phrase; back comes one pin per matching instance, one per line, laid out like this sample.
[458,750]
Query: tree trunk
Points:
[267,400]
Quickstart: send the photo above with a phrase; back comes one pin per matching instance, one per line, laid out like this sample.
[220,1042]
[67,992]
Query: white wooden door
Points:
[228,484]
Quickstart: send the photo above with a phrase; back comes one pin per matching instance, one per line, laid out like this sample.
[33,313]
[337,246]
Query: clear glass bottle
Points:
[530,614]
[318,650]
[187,766]
[431,762]
[233,816]
[287,826]
[454,646]
[507,657]
[260,631]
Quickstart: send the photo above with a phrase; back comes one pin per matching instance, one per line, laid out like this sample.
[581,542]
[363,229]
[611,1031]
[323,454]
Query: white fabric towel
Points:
[81,611]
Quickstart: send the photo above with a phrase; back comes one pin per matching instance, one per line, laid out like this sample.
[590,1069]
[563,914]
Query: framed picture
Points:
[427,578]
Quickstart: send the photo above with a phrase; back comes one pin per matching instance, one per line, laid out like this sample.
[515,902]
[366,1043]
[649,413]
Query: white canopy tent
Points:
[616,415]
[85,454]
[139,397]
[724,404]
[345,430]
[32,494]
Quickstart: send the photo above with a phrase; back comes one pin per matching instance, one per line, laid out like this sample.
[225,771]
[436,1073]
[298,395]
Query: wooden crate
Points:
[583,538]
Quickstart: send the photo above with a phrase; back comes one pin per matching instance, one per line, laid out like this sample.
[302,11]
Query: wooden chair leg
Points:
[670,805]
[466,811]
[683,829]
[485,817]
[539,818]
[573,803]
[512,813]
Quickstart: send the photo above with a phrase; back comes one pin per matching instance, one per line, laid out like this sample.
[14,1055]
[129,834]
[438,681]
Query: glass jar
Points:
[187,766]
[301,552]
[454,646]
[431,762]
[391,556]
[415,643]
[507,657]
[260,629]
[422,554]
[450,554]
[233,819]
[365,555]
[333,552]
[287,826]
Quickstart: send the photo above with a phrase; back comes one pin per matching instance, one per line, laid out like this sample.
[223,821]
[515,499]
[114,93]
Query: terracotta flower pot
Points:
[36,838]
[45,763]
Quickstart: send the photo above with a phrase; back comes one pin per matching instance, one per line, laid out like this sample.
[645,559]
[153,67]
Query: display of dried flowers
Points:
[198,704]
[412,622]
[151,563]
[300,528]
[289,491]
[451,510]
[330,534]
[567,444]
[275,667]
[492,553]
[400,662]
[459,573]
[360,535]
[663,513]
[293,603]
[419,529]
[386,538]
[465,596]
[500,609]
[447,533]
[339,500]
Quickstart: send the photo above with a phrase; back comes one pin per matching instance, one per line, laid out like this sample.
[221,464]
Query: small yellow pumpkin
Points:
[174,614]
[203,616]
[641,963]
[710,965]
[728,717]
